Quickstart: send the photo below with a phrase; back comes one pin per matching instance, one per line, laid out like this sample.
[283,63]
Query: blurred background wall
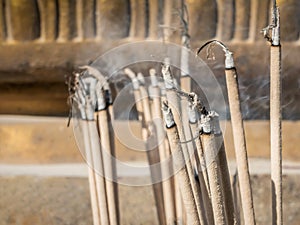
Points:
[43,40]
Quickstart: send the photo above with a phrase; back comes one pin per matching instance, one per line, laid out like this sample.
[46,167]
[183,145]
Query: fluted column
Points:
[242,17]
[48,19]
[22,22]
[112,19]
[225,19]
[203,17]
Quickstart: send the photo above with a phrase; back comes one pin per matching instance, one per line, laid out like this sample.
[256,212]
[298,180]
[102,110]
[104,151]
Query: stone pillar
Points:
[2,30]
[48,19]
[242,16]
[22,20]
[112,18]
[66,18]
[225,20]
[259,18]
[155,18]
[203,19]
[290,20]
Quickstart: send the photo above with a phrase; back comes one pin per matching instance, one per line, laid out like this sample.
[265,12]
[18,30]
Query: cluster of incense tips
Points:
[195,186]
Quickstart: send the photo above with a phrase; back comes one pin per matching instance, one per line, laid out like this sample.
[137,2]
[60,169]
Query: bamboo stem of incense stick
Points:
[210,150]
[238,135]
[165,170]
[174,100]
[180,163]
[275,115]
[98,165]
[113,154]
[107,161]
[91,174]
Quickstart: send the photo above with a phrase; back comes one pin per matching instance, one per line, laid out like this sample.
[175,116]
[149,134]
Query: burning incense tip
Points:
[129,73]
[141,78]
[168,115]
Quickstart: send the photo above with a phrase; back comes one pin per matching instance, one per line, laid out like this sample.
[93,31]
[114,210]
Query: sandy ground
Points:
[28,200]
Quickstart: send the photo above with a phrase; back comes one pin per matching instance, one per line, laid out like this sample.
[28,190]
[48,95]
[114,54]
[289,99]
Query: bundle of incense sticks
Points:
[194,181]
[92,98]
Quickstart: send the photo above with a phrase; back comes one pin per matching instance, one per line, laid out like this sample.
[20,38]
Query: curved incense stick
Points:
[238,134]
[136,92]
[180,163]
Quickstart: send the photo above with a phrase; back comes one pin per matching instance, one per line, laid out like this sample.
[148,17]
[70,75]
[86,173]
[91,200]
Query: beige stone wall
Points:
[42,40]
[48,140]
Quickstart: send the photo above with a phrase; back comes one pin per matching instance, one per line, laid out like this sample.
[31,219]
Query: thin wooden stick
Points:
[98,166]
[107,164]
[180,163]
[113,154]
[152,154]
[103,100]
[275,115]
[90,137]
[104,113]
[165,169]
[143,108]
[238,135]
[91,173]
[217,198]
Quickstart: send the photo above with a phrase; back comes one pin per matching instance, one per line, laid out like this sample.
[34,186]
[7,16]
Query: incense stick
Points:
[200,161]
[225,176]
[210,150]
[85,99]
[91,174]
[98,164]
[152,155]
[180,163]
[141,96]
[165,170]
[174,104]
[113,161]
[136,92]
[275,115]
[107,164]
[238,135]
